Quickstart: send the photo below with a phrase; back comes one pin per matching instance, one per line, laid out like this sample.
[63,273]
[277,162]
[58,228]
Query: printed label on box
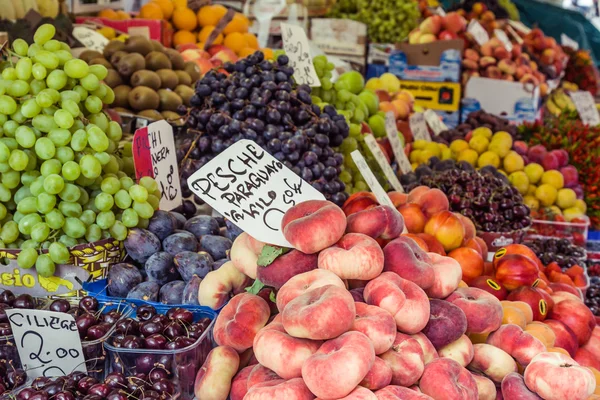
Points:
[383,163]
[295,44]
[339,36]
[447,70]
[252,189]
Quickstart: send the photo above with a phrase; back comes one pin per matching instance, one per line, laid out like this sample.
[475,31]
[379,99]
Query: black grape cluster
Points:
[259,101]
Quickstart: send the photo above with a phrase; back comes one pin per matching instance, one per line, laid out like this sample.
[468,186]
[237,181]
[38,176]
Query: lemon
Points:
[425,156]
[479,143]
[446,154]
[531,189]
[531,202]
[468,155]
[500,149]
[520,181]
[459,145]
[483,130]
[581,205]
[554,178]
[415,155]
[419,144]
[503,137]
[534,172]
[434,149]
[546,194]
[488,158]
[572,213]
[513,162]
[566,198]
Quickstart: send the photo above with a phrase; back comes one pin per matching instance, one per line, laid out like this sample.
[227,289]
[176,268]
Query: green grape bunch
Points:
[63,178]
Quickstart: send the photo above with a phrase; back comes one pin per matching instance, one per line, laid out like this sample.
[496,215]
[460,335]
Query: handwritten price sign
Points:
[295,44]
[383,163]
[154,155]
[434,122]
[370,179]
[90,38]
[48,342]
[252,189]
[479,33]
[418,127]
[586,107]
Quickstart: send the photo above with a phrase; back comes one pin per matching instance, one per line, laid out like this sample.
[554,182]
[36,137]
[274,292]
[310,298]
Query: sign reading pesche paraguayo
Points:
[252,189]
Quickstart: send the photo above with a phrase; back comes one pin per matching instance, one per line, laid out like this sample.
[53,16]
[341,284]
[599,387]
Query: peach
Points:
[486,389]
[379,221]
[294,389]
[515,270]
[593,345]
[339,365]
[306,282]
[414,219]
[217,286]
[261,374]
[402,107]
[244,254]
[454,22]
[354,256]
[470,230]
[513,387]
[518,249]
[405,258]
[483,311]
[313,225]
[445,379]
[508,67]
[490,285]
[240,320]
[491,361]
[406,360]
[446,227]
[359,201]
[429,352]
[285,267]
[461,351]
[565,337]
[398,198]
[542,332]
[446,323]
[501,53]
[470,64]
[431,25]
[487,61]
[534,298]
[407,302]
[360,393]
[586,358]
[513,315]
[393,392]
[420,242]
[213,380]
[471,54]
[562,296]
[470,261]
[575,315]
[377,324]
[447,276]
[322,313]
[563,287]
[239,385]
[379,376]
[416,192]
[519,344]
[282,353]
[432,243]
[554,376]
[431,201]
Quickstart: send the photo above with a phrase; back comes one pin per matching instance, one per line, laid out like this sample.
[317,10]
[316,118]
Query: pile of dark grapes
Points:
[171,257]
[488,200]
[259,101]
[592,298]
[562,251]
[10,378]
[475,120]
[115,386]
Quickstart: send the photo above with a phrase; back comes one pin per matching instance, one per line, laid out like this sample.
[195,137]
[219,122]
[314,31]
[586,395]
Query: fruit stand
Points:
[315,200]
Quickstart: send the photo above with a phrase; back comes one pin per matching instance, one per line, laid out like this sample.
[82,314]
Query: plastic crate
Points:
[183,364]
[576,232]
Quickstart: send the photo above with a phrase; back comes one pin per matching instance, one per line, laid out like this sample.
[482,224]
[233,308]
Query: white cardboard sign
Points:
[370,179]
[90,38]
[252,189]
[295,44]
[588,113]
[479,34]
[383,163]
[434,122]
[568,42]
[48,342]
[418,127]
[164,162]
[503,37]
[397,148]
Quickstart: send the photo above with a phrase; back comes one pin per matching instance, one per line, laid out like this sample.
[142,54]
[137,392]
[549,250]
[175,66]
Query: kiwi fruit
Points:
[116,58]
[89,55]
[101,61]
[184,78]
[157,46]
[143,98]
[145,78]
[169,101]
[186,93]
[112,47]
[193,70]
[168,78]
[150,114]
[173,117]
[176,58]
[156,61]
[138,44]
[121,93]
[130,63]
[113,79]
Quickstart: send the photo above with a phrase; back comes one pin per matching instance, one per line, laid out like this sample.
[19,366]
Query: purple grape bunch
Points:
[258,100]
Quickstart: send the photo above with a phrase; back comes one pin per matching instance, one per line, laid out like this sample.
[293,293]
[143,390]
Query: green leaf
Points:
[272,297]
[256,287]
[269,254]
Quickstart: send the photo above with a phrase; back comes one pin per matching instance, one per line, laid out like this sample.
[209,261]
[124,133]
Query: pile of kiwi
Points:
[148,79]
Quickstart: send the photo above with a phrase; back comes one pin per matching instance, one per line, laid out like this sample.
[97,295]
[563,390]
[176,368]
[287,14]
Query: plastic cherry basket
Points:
[182,364]
[575,232]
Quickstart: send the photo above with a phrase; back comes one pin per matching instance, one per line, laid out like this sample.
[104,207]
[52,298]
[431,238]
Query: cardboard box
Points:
[512,100]
[153,29]
[343,38]
[433,62]
[378,59]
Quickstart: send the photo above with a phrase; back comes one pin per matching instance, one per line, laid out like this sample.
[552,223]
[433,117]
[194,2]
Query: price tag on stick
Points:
[154,155]
[479,33]
[418,127]
[90,38]
[397,148]
[434,122]
[383,163]
[370,179]
[48,342]
[252,189]
[295,44]
[568,42]
[588,113]
[499,33]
